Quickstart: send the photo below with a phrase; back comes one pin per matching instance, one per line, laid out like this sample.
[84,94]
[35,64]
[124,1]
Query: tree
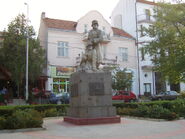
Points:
[167,47]
[13,52]
[121,79]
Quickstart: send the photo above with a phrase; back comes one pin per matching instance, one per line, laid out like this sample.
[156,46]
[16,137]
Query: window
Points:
[63,49]
[142,54]
[141,31]
[123,53]
[147,12]
[85,28]
[147,88]
[103,30]
[104,51]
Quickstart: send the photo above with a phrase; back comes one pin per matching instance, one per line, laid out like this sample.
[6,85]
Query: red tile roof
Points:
[60,24]
[121,32]
[147,2]
[71,25]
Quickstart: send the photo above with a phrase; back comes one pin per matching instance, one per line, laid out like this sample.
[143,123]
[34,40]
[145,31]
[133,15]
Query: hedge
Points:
[28,116]
[8,110]
[21,119]
[154,109]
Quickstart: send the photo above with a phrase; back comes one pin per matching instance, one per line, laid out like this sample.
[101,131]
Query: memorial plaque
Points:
[96,88]
[74,90]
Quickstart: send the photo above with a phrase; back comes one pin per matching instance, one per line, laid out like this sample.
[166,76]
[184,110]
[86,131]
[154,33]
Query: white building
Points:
[132,16]
[64,44]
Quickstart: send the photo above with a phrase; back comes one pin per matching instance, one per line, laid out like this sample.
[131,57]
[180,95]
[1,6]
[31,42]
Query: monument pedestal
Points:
[91,99]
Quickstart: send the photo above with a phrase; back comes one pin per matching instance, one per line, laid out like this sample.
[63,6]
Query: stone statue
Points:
[92,57]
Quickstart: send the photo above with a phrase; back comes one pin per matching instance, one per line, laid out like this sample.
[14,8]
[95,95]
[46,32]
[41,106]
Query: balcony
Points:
[78,60]
[146,65]
[145,19]
[108,61]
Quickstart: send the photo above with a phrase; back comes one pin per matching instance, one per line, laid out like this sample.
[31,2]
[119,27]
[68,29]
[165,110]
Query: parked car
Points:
[167,95]
[61,98]
[124,96]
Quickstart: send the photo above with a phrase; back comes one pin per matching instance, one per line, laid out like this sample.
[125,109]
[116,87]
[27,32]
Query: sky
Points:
[58,9]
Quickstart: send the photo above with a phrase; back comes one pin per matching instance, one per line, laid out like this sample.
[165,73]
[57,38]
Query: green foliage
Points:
[155,111]
[2,122]
[168,46]
[24,119]
[50,112]
[9,110]
[143,111]
[126,111]
[13,51]
[121,79]
[182,94]
[29,116]
[6,110]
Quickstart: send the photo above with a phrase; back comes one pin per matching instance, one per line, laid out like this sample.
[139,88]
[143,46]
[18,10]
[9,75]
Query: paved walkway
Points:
[128,129]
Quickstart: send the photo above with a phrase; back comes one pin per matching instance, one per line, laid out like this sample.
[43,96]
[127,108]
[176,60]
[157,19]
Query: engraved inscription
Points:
[96,88]
[74,90]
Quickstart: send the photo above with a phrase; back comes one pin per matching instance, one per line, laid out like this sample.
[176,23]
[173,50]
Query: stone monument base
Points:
[90,121]
[91,99]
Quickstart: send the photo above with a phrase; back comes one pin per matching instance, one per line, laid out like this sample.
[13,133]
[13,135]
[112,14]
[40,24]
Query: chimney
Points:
[43,15]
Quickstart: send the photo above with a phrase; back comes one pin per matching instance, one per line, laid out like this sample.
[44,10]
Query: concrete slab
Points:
[129,128]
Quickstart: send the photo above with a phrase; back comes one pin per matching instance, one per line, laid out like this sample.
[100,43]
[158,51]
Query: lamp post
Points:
[27,48]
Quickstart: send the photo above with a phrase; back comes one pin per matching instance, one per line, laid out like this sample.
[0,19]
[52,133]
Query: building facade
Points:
[132,16]
[64,42]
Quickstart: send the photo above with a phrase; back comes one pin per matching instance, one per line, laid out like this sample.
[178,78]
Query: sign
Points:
[63,72]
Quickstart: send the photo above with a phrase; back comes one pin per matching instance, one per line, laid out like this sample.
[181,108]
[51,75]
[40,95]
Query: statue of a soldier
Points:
[92,57]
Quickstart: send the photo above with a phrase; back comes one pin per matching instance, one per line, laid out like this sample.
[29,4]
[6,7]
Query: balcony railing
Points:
[146,65]
[145,19]
[108,61]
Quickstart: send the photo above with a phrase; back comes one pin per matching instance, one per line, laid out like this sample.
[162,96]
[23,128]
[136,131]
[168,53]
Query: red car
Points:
[126,96]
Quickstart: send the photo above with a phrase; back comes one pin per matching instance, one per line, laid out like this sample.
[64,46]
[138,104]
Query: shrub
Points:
[156,111]
[2,122]
[126,111]
[34,119]
[6,110]
[151,110]
[169,115]
[182,94]
[50,112]
[142,111]
[24,119]
[17,120]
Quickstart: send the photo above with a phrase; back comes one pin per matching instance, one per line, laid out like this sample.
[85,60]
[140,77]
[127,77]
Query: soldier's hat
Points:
[94,22]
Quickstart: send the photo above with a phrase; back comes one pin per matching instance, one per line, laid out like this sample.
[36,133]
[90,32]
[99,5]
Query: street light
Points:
[27,46]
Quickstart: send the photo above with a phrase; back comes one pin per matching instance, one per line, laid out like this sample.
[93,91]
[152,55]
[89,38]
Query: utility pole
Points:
[27,48]
[137,47]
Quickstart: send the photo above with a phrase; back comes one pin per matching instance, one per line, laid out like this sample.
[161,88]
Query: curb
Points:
[50,118]
[22,130]
[148,119]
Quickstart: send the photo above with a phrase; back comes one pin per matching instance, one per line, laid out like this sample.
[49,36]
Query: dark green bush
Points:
[126,111]
[50,112]
[6,110]
[2,122]
[9,110]
[24,119]
[142,111]
[156,111]
[150,111]
[34,119]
